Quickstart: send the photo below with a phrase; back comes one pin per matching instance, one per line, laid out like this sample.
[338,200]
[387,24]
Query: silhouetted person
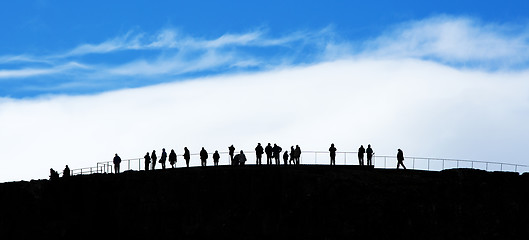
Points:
[231,151]
[297,154]
[400,159]
[66,172]
[187,156]
[163,158]
[216,157]
[54,175]
[258,154]
[117,161]
[203,157]
[292,158]
[153,159]
[369,155]
[235,161]
[147,158]
[361,152]
[285,158]
[242,158]
[268,151]
[276,150]
[172,158]
[332,151]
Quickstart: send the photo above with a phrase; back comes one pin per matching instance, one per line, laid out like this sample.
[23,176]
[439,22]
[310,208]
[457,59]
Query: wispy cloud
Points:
[169,53]
[455,40]
[31,72]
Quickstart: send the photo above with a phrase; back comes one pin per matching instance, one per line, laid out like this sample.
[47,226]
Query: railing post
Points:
[413,164]
[486,166]
[90,170]
[457,165]
[315,157]
[428,164]
[501,166]
[128,164]
[139,164]
[516,168]
[345,158]
[472,164]
[385,160]
[443,168]
[81,171]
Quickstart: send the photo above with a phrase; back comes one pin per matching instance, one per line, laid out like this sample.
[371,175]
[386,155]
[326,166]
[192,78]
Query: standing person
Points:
[203,157]
[285,157]
[54,175]
[332,151]
[172,158]
[400,159]
[276,151]
[187,156]
[163,158]
[117,161]
[147,161]
[292,157]
[66,171]
[297,154]
[231,152]
[258,154]
[216,157]
[361,152]
[153,159]
[369,154]
[242,158]
[268,151]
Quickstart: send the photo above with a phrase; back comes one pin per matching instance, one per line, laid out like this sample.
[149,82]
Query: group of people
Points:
[272,152]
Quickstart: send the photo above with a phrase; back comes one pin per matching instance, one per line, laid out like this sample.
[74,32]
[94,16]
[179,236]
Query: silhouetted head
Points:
[153,151]
[116,154]
[368,145]
[216,151]
[202,148]
[163,149]
[185,148]
[275,145]
[242,152]
[362,146]
[258,144]
[399,150]
[332,144]
[297,146]
[292,147]
[269,144]
[172,150]
[66,166]
[147,153]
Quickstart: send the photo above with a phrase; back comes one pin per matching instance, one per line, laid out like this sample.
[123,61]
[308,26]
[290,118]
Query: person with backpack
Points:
[361,152]
[258,154]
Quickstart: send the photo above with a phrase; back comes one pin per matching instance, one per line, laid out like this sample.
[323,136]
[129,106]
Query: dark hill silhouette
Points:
[270,202]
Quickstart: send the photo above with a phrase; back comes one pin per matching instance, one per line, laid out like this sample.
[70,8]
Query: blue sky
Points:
[83,80]
[41,51]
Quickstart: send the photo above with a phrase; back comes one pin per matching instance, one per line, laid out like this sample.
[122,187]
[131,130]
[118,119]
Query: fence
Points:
[318,158]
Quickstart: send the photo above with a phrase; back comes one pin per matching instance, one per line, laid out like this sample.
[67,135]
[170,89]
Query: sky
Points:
[83,80]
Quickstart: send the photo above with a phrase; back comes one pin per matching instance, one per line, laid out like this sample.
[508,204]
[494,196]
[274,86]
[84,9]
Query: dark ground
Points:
[302,202]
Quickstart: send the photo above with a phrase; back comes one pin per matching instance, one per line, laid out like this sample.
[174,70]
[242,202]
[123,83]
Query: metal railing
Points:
[317,158]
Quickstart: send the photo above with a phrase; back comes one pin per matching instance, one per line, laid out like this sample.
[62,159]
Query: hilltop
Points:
[287,202]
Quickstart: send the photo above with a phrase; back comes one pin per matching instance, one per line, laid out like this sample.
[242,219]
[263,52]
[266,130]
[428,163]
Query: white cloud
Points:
[424,108]
[455,40]
[30,72]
